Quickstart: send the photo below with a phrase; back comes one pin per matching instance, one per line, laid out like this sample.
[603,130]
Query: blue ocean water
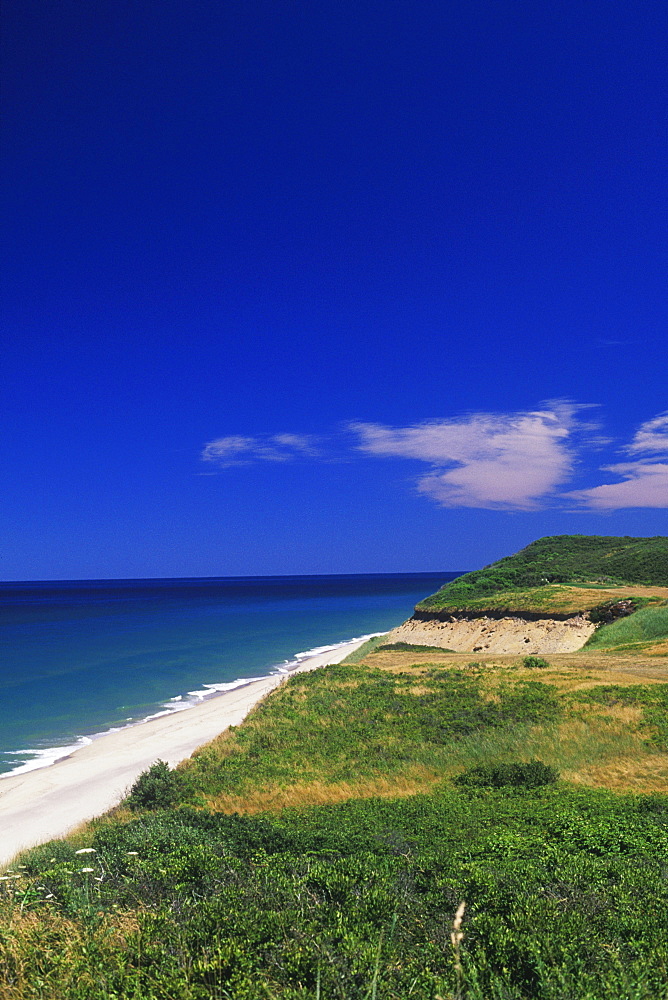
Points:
[81,657]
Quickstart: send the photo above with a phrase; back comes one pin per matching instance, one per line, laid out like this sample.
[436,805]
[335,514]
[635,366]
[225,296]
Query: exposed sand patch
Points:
[497,635]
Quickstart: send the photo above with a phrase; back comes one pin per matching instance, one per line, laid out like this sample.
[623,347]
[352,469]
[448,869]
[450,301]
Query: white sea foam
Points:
[45,757]
[179,703]
[299,658]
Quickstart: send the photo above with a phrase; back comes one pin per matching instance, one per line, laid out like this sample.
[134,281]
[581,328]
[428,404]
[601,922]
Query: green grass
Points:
[652,700]
[367,647]
[355,723]
[410,647]
[558,559]
[645,625]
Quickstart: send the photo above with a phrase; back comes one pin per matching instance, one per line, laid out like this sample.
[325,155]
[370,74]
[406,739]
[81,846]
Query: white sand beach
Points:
[38,805]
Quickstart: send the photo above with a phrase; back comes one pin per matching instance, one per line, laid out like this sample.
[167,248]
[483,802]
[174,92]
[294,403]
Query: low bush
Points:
[535,663]
[530,775]
[156,788]
[565,889]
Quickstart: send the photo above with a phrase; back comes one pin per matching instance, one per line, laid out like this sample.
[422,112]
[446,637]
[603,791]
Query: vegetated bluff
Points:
[548,598]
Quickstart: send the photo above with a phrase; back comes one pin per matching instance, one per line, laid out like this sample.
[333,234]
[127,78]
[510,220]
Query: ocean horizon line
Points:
[234,578]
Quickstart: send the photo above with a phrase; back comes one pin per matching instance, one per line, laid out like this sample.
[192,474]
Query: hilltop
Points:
[553,596]
[527,579]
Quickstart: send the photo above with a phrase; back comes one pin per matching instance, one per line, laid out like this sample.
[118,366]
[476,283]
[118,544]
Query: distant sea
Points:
[79,658]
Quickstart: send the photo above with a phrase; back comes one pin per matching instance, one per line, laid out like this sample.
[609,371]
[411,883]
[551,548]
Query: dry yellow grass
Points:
[658,649]
[634,590]
[648,774]
[318,793]
[566,669]
[562,598]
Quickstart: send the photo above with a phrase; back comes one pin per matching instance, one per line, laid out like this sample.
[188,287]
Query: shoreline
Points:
[47,756]
[49,801]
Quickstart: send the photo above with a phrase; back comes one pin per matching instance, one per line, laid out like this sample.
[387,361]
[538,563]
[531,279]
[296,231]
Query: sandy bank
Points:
[497,635]
[37,806]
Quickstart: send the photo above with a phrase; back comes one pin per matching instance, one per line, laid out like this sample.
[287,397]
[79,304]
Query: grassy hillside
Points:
[603,561]
[643,630]
[323,848]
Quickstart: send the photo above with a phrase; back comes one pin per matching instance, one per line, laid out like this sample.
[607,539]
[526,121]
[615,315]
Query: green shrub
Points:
[535,663]
[531,775]
[528,702]
[156,788]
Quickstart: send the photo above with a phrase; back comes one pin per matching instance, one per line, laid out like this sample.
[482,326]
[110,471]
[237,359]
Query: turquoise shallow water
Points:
[81,657]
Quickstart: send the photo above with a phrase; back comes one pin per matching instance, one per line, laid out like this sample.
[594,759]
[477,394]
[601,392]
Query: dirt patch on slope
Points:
[497,635]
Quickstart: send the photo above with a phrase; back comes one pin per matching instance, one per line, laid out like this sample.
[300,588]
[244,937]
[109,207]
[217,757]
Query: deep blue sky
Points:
[329,287]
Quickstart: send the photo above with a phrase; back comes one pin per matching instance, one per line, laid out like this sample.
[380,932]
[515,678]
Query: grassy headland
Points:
[547,576]
[323,848]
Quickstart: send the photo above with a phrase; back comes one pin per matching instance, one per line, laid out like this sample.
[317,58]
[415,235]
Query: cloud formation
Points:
[644,482]
[489,460]
[495,461]
[238,450]
[652,436]
[645,485]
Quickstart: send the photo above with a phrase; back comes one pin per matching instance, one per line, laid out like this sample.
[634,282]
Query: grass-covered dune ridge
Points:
[604,561]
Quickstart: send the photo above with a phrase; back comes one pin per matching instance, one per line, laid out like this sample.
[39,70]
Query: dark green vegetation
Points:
[535,663]
[409,647]
[560,559]
[565,890]
[156,788]
[530,775]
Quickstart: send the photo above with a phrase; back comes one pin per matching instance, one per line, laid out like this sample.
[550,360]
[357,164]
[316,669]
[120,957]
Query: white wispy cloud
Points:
[644,483]
[505,461]
[239,450]
[652,436]
[490,460]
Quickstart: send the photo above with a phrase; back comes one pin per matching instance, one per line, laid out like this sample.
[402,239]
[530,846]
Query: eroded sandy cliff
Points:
[497,635]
